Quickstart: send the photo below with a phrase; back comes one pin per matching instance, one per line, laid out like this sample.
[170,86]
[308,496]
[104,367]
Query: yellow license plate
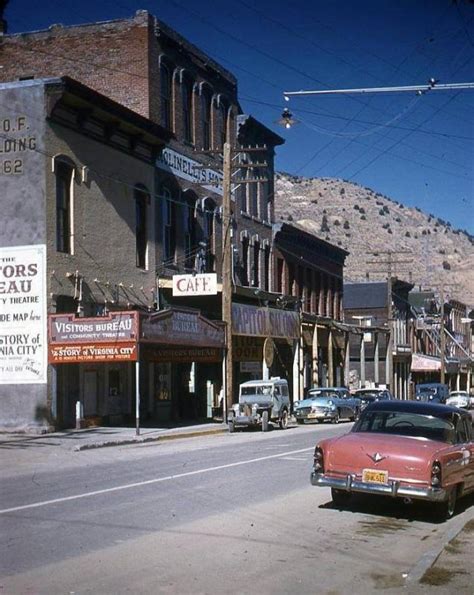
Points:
[374,476]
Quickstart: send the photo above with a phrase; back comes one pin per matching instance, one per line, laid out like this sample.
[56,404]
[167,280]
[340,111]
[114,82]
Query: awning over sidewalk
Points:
[425,363]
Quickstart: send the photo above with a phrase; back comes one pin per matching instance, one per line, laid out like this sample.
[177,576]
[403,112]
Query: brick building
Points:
[145,66]
[309,272]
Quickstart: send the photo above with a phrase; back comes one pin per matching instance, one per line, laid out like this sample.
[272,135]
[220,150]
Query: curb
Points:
[145,439]
[430,557]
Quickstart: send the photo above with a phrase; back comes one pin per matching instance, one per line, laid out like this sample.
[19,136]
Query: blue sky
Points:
[414,149]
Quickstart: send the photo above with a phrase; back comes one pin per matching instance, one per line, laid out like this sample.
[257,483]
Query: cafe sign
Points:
[264,322]
[188,285]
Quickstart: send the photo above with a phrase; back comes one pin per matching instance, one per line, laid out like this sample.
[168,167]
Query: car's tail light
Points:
[318,460]
[436,474]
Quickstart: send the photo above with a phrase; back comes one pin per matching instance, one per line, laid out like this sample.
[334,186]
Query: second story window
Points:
[141,235]
[209,234]
[245,261]
[169,228]
[64,203]
[165,96]
[266,269]
[187,106]
[256,264]
[189,232]
[223,123]
[206,119]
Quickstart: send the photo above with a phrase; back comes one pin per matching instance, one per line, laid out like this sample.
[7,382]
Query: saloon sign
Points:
[264,322]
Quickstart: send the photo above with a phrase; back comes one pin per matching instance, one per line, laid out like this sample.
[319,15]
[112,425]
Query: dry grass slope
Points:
[362,221]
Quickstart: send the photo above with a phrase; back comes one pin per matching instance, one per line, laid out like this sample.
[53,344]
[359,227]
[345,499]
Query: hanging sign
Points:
[264,322]
[268,351]
[183,167]
[202,284]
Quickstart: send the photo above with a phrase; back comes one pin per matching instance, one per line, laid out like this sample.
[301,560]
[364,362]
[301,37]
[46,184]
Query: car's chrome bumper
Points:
[393,488]
[315,416]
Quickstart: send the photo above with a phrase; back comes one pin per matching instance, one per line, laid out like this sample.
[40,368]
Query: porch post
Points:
[315,352]
[362,361]
[137,397]
[347,358]
[330,359]
[376,360]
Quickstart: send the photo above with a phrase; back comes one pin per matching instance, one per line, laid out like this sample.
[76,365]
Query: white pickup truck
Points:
[261,401]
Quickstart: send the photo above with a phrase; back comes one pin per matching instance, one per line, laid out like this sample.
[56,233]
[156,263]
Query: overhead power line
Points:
[432,85]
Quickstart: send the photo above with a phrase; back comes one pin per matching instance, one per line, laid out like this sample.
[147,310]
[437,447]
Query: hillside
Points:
[362,221]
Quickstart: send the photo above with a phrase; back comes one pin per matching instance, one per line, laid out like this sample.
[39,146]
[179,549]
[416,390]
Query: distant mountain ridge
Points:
[363,221]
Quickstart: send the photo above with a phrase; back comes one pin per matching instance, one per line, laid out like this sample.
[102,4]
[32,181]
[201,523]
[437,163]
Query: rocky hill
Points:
[363,222]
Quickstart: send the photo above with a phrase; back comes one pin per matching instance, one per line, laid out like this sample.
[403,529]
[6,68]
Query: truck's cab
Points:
[261,401]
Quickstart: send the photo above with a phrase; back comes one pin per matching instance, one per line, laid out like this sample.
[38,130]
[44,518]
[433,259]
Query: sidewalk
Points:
[452,571]
[98,437]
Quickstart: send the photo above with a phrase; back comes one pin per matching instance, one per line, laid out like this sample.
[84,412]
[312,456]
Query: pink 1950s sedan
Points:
[401,449]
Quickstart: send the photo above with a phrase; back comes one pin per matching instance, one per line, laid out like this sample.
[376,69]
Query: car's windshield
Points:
[426,390]
[406,423]
[324,394]
[262,389]
[367,396]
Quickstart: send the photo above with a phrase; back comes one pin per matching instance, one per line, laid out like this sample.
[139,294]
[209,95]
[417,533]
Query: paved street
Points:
[224,513]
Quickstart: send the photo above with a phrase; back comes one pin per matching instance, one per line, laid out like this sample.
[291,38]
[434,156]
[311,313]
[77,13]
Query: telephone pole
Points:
[230,155]
[227,285]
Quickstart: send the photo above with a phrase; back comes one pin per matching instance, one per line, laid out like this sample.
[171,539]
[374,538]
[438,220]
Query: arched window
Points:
[165,96]
[206,102]
[189,225]
[209,233]
[169,227]
[256,264]
[187,107]
[64,170]
[141,225]
[266,271]
[223,122]
[245,261]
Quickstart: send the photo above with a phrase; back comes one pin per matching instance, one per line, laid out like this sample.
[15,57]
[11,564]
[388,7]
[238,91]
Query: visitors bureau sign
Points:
[23,352]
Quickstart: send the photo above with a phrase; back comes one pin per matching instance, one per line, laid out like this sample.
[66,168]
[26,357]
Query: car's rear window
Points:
[405,423]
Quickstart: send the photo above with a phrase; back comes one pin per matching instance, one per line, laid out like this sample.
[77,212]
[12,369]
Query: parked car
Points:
[326,404]
[432,391]
[370,395]
[261,401]
[459,398]
[401,449]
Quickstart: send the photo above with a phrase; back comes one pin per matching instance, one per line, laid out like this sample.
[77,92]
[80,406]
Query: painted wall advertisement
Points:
[23,349]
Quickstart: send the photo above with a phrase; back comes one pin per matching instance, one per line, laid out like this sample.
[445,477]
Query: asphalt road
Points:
[222,514]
